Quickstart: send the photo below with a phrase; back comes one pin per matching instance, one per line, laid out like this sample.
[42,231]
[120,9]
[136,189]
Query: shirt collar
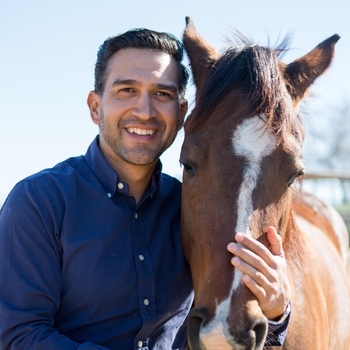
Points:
[107,176]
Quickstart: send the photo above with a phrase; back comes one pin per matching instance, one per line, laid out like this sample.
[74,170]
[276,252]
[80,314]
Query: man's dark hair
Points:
[140,38]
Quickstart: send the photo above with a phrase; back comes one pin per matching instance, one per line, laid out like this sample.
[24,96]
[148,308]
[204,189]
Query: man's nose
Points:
[144,107]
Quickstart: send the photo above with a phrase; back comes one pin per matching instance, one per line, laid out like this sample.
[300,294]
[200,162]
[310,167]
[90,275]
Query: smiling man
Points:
[139,113]
[90,250]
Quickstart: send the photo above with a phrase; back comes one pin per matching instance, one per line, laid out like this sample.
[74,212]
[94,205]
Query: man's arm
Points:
[277,330]
[30,272]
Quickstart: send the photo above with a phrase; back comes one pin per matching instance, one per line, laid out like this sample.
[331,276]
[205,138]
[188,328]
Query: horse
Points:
[242,172]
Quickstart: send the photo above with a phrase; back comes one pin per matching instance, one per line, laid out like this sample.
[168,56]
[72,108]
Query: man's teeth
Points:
[141,131]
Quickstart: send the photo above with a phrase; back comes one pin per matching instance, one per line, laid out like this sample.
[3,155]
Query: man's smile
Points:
[141,131]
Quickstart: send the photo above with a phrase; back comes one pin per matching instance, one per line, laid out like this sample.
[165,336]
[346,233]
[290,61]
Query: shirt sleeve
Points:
[277,330]
[30,272]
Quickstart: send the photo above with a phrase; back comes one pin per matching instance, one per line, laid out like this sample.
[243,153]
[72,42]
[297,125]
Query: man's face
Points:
[139,112]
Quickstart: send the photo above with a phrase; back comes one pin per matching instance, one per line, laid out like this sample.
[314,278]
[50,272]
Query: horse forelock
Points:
[255,72]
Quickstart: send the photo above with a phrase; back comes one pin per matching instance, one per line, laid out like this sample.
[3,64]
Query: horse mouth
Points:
[251,337]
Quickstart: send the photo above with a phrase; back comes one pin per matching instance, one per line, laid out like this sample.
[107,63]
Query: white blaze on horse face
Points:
[251,141]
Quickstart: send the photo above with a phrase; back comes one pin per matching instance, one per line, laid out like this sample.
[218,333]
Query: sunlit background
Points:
[48,51]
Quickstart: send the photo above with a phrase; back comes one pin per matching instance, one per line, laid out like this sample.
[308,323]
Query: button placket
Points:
[146,288]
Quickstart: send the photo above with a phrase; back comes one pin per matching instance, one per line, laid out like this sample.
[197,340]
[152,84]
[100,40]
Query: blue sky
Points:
[48,51]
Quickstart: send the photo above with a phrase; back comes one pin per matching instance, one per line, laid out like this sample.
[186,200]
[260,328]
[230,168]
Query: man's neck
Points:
[137,177]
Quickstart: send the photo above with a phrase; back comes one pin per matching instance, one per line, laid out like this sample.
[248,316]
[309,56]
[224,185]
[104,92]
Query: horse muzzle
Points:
[213,334]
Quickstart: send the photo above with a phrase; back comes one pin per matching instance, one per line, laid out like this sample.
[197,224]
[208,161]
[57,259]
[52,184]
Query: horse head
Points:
[242,156]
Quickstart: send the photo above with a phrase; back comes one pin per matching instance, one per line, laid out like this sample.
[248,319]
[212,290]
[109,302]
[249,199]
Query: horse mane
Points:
[256,71]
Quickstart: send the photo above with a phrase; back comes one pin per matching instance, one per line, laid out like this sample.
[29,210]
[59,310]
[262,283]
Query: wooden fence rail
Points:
[328,174]
[343,176]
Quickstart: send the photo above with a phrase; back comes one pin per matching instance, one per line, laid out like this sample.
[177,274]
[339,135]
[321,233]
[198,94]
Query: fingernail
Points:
[239,237]
[232,246]
[246,278]
[235,261]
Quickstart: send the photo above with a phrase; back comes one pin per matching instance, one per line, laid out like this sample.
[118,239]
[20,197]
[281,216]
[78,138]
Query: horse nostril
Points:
[196,319]
[252,335]
[260,330]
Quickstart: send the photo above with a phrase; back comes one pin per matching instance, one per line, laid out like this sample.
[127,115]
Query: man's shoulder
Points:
[170,185]
[64,168]
[171,180]
[53,183]
[63,172]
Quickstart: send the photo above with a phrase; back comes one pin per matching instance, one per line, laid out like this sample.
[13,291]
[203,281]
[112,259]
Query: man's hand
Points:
[264,271]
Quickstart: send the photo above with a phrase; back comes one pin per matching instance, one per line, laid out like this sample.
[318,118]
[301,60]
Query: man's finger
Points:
[275,241]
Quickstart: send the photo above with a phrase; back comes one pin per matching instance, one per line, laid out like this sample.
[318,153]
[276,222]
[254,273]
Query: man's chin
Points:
[141,160]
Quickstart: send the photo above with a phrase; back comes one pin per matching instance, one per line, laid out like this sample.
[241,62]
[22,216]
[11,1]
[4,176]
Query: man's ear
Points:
[93,102]
[183,111]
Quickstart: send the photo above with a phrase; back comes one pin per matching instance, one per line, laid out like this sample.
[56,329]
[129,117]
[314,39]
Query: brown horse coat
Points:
[242,156]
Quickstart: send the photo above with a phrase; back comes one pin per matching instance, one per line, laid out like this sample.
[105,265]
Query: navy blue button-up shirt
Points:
[83,267]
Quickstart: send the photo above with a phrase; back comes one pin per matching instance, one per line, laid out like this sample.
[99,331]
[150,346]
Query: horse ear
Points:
[301,73]
[200,53]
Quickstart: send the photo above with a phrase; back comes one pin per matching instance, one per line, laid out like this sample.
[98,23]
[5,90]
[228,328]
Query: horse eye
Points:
[189,170]
[295,177]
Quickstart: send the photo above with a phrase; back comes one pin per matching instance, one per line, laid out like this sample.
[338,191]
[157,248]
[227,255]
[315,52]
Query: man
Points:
[90,250]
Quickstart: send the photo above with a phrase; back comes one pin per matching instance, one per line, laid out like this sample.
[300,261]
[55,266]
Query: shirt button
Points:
[136,216]
[140,343]
[146,302]
[109,195]
[141,257]
[120,186]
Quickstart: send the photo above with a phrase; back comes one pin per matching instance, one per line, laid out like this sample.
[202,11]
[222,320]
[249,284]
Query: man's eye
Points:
[163,94]
[124,92]
[127,90]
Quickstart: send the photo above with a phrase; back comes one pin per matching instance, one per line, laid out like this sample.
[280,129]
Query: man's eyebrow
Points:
[125,82]
[169,87]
